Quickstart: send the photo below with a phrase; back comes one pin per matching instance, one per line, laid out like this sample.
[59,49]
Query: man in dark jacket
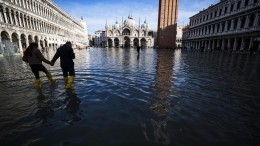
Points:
[66,55]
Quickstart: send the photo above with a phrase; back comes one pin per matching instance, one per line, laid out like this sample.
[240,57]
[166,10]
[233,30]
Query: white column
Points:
[235,44]
[242,47]
[5,17]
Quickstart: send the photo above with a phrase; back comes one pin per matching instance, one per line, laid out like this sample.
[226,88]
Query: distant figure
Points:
[34,57]
[66,55]
[138,49]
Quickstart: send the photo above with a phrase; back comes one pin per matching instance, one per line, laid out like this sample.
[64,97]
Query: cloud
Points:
[97,13]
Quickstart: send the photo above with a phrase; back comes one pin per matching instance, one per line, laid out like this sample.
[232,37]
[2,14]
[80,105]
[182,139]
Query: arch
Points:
[5,35]
[36,39]
[23,41]
[6,47]
[110,42]
[30,39]
[15,42]
[110,33]
[126,31]
[127,42]
[136,42]
[116,41]
[117,32]
[143,42]
[150,33]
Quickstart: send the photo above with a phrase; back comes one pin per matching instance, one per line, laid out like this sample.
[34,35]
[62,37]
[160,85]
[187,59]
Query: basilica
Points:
[129,34]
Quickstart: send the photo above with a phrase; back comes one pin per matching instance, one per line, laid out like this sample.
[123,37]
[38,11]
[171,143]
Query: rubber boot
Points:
[70,82]
[37,83]
[49,76]
[65,80]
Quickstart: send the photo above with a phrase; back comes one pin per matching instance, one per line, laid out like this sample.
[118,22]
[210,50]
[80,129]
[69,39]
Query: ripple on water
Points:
[158,97]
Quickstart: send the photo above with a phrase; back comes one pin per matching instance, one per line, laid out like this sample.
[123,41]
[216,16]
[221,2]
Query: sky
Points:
[99,12]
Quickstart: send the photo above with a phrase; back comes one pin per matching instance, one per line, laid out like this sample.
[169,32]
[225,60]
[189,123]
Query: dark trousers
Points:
[68,69]
[36,68]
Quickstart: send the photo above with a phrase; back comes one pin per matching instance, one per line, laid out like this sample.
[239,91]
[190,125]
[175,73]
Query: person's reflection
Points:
[45,110]
[72,105]
[160,104]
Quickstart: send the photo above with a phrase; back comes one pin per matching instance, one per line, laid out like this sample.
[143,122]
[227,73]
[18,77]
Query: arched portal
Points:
[116,42]
[143,43]
[126,31]
[126,42]
[23,41]
[136,42]
[36,39]
[15,42]
[30,39]
[5,43]
[110,42]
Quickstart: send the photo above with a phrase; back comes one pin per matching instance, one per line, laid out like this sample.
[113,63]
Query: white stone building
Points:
[41,21]
[230,25]
[179,36]
[129,34]
[100,38]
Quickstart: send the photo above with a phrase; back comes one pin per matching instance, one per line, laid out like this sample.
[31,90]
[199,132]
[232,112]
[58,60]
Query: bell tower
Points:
[167,23]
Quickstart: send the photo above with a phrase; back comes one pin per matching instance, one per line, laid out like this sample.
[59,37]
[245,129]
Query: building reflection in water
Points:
[156,130]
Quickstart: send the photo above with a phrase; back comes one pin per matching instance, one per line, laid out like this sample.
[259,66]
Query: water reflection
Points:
[181,98]
[161,103]
[72,103]
[44,105]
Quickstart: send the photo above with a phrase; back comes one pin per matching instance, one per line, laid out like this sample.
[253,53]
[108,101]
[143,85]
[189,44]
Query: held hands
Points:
[51,63]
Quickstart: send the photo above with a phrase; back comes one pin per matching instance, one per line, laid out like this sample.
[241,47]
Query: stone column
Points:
[10,16]
[256,19]
[218,43]
[19,20]
[239,23]
[232,24]
[247,21]
[226,26]
[20,45]
[242,47]
[228,44]
[220,27]
[5,17]
[223,44]
[209,45]
[235,45]
[251,42]
[213,44]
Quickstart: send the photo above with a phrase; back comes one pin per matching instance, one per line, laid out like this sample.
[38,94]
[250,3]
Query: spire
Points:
[106,24]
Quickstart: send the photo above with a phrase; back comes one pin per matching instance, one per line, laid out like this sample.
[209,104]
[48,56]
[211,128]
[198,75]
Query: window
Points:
[251,20]
[238,4]
[220,11]
[243,21]
[225,10]
[235,23]
[246,2]
[231,7]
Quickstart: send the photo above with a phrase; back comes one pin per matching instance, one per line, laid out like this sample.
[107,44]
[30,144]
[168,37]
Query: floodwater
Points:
[120,98]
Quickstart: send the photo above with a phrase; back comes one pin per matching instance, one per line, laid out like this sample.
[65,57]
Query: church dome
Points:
[130,22]
[145,25]
[117,26]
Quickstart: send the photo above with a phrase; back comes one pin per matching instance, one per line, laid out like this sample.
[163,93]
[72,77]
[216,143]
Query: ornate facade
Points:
[41,21]
[231,25]
[129,34]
